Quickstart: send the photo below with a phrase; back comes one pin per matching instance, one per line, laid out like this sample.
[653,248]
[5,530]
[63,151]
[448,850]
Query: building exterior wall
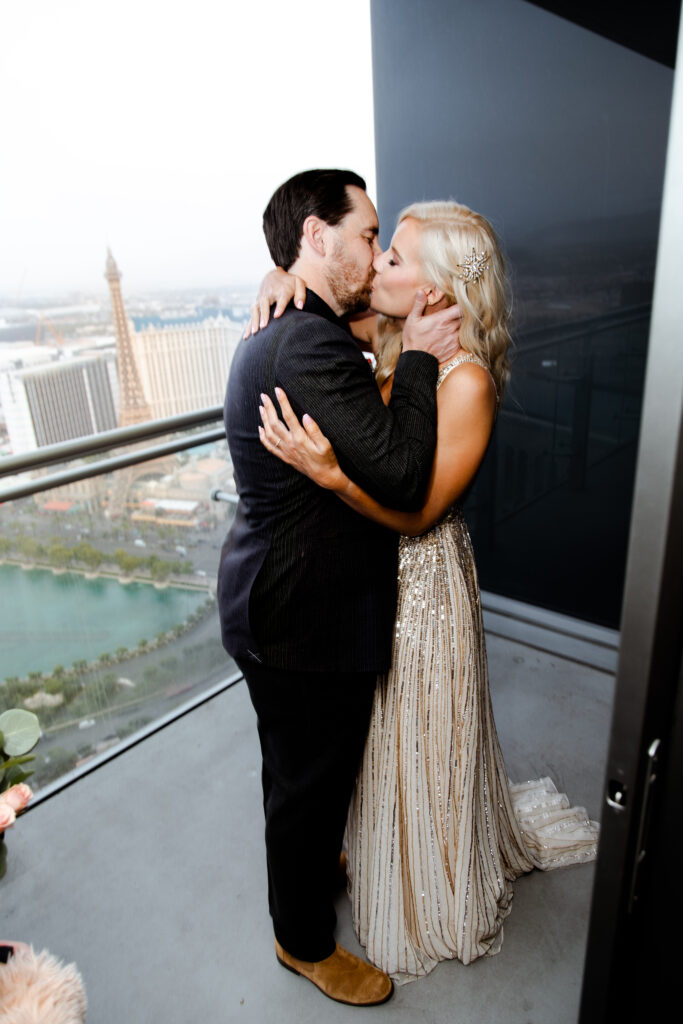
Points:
[64,400]
[17,412]
[185,367]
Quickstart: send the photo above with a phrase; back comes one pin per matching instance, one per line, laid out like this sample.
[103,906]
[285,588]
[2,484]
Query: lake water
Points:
[49,620]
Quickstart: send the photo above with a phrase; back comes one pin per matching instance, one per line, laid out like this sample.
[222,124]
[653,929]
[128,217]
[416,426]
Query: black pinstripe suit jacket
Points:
[305,583]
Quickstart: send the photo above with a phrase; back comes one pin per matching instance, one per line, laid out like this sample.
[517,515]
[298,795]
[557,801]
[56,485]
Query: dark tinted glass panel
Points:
[558,135]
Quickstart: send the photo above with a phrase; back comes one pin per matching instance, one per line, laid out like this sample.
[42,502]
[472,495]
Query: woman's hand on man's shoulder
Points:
[278,287]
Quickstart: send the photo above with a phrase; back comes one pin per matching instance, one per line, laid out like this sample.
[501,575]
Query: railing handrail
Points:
[26,488]
[580,328]
[121,437]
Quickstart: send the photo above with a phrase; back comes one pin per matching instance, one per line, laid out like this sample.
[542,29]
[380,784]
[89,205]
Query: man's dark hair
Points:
[312,193]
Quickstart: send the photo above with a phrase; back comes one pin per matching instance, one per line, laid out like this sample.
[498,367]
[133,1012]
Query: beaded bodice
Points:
[463,357]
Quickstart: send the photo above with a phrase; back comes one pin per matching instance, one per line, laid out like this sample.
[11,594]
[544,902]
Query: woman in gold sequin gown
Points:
[436,834]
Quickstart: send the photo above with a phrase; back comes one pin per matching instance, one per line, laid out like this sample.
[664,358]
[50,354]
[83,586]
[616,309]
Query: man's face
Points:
[349,266]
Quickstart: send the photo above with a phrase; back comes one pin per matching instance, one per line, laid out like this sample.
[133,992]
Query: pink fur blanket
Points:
[35,988]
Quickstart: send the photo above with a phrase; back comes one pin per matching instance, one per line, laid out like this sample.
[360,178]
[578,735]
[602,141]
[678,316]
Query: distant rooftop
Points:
[201,314]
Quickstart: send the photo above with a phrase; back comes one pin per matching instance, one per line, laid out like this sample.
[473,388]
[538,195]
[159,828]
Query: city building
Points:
[58,400]
[184,364]
[173,365]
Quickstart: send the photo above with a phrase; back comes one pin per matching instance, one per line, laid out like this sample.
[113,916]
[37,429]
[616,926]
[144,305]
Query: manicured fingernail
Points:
[278,391]
[299,304]
[263,322]
[262,412]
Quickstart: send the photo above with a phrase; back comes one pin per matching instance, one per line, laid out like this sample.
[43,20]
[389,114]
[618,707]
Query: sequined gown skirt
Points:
[433,839]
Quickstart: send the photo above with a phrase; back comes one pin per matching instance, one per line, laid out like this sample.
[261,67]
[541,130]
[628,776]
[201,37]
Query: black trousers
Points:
[312,727]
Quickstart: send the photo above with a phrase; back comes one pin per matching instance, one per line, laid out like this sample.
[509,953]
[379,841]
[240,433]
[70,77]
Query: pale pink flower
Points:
[17,796]
[7,815]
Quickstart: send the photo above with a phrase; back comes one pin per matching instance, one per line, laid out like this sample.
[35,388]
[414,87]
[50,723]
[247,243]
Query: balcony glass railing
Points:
[109,545]
[551,505]
[108,555]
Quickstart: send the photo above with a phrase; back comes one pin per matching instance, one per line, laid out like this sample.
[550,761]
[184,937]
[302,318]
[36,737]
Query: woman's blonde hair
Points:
[450,235]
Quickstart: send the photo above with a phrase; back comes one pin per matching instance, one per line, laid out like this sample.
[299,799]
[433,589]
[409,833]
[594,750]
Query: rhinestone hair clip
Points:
[472,267]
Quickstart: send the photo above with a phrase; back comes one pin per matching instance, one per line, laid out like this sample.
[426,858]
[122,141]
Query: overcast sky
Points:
[161,128]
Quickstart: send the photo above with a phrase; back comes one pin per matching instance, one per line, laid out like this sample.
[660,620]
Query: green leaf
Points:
[2,740]
[11,761]
[21,731]
[16,775]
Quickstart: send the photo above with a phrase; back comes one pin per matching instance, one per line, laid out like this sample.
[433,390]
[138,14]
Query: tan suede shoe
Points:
[342,976]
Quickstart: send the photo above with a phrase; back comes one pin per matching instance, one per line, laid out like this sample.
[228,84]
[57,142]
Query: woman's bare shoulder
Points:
[469,381]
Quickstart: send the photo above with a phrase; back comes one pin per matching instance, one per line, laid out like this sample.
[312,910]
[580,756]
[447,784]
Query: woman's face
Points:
[399,273]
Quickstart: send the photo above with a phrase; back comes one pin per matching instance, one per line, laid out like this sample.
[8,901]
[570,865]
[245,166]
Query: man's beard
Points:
[351,294]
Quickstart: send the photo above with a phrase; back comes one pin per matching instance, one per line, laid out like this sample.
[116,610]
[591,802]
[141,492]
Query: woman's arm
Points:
[466,409]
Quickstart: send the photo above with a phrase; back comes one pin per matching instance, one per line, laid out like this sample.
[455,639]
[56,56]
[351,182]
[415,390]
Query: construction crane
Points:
[56,334]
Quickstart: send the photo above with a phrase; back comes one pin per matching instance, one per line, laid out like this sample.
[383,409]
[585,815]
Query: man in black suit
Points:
[307,587]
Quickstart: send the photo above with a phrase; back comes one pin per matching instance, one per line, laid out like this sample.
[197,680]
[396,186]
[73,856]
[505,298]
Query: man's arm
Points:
[387,451]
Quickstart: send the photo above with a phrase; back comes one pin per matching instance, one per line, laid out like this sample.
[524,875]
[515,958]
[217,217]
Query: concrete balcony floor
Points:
[150,872]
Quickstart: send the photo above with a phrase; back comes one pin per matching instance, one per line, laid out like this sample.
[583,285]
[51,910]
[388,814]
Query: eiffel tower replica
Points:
[133,406]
